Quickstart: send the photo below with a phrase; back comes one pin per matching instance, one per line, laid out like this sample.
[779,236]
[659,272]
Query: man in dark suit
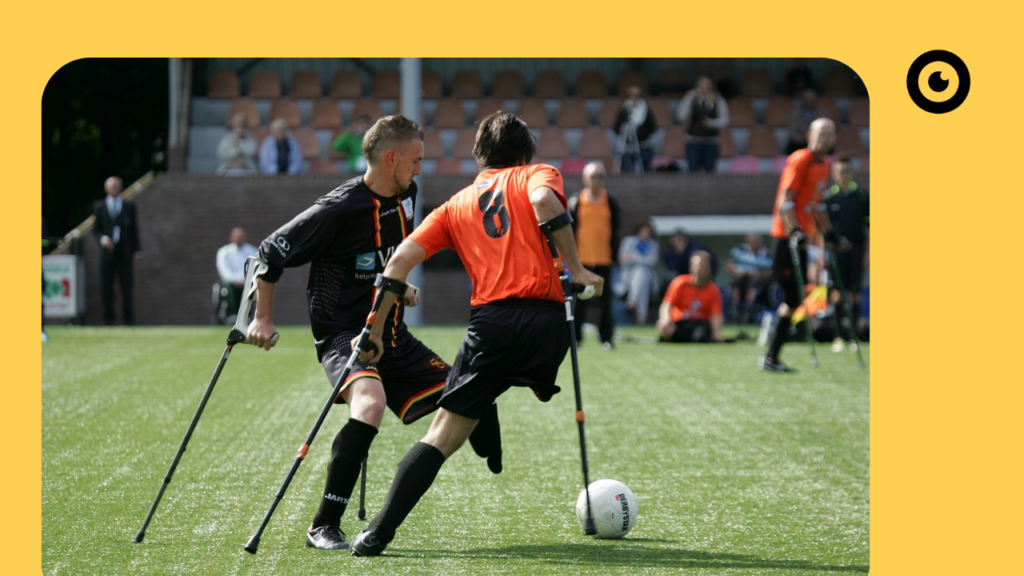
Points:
[117,231]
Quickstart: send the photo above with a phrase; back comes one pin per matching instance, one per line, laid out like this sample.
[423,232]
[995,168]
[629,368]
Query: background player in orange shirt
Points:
[517,330]
[798,217]
[692,308]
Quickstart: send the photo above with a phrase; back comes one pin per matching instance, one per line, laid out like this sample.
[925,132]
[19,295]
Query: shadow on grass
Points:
[627,553]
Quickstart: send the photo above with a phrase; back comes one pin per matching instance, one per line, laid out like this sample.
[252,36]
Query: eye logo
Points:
[938,81]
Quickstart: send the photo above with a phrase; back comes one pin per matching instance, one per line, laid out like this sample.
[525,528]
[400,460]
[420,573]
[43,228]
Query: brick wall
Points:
[184,219]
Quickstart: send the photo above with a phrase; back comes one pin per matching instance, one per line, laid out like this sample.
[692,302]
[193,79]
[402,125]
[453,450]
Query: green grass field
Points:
[736,471]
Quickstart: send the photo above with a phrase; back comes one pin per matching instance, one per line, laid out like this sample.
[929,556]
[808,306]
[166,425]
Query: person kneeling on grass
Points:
[692,308]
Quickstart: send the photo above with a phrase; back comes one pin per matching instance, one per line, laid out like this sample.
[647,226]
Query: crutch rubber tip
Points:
[590,529]
[138,537]
[252,545]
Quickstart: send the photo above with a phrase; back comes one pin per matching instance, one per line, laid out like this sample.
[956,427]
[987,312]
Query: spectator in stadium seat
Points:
[635,123]
[638,260]
[799,78]
[231,267]
[237,150]
[350,143]
[280,152]
[681,247]
[805,110]
[595,224]
[692,308]
[703,114]
[750,267]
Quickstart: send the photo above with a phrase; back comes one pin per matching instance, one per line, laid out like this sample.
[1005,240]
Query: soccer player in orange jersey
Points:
[799,217]
[692,308]
[518,335]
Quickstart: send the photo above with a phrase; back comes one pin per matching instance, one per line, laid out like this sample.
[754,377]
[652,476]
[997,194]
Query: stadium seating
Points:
[486,107]
[224,85]
[287,109]
[325,115]
[464,140]
[741,113]
[385,85]
[246,106]
[433,88]
[839,82]
[572,114]
[264,84]
[549,84]
[591,84]
[508,84]
[346,85]
[367,106]
[305,85]
[467,85]
[662,111]
[323,166]
[433,146]
[674,143]
[307,142]
[609,110]
[778,113]
[552,144]
[848,142]
[532,112]
[633,78]
[762,144]
[673,83]
[449,114]
[448,166]
[858,115]
[756,83]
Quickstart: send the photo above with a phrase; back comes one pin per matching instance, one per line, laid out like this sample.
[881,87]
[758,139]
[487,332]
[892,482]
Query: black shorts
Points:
[784,274]
[691,331]
[412,374]
[851,268]
[509,343]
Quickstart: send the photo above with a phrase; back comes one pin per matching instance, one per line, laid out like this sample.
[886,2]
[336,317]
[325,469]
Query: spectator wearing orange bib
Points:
[692,308]
[517,332]
[595,215]
[799,218]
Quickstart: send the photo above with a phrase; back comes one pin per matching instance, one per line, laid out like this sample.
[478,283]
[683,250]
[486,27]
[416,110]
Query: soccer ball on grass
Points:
[614,508]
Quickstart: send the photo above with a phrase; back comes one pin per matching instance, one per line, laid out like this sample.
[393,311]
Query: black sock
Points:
[416,472]
[351,446]
[486,439]
[781,334]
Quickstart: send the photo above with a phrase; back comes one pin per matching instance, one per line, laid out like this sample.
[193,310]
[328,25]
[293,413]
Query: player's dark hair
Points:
[503,140]
[387,133]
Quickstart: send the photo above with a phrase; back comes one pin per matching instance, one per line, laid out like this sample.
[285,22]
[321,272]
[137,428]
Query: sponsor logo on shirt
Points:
[366,261]
[282,245]
[407,208]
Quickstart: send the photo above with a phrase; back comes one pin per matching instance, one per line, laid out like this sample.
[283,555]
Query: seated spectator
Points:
[799,78]
[280,152]
[750,267]
[635,124]
[237,150]
[638,260]
[703,114]
[805,111]
[681,247]
[350,143]
[692,308]
[231,269]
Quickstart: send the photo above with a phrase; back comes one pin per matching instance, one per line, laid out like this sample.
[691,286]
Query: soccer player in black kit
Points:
[348,236]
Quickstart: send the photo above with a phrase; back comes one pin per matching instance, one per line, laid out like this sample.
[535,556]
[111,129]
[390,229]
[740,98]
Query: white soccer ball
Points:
[614,508]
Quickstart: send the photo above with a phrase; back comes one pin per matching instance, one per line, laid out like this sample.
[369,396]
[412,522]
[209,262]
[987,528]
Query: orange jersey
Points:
[594,230]
[806,175]
[492,226]
[692,302]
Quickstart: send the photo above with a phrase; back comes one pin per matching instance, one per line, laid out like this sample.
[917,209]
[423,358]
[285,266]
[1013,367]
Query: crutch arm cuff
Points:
[391,285]
[556,223]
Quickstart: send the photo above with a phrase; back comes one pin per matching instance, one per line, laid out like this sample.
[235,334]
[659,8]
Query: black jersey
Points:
[849,211]
[347,236]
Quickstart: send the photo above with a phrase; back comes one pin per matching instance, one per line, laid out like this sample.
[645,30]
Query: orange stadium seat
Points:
[674,143]
[633,78]
[673,83]
[778,113]
[468,85]
[308,142]
[742,113]
[464,141]
[367,106]
[532,112]
[433,88]
[433,146]
[246,106]
[486,107]
[346,85]
[259,134]
[325,115]
[224,85]
[756,83]
[305,85]
[449,114]
[662,112]
[508,84]
[448,166]
[828,105]
[264,84]
[386,85]
[323,166]
[762,143]
[549,84]
[594,145]
[572,114]
[848,142]
[591,84]
[609,110]
[727,148]
[552,144]
[859,112]
[287,109]
[839,81]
